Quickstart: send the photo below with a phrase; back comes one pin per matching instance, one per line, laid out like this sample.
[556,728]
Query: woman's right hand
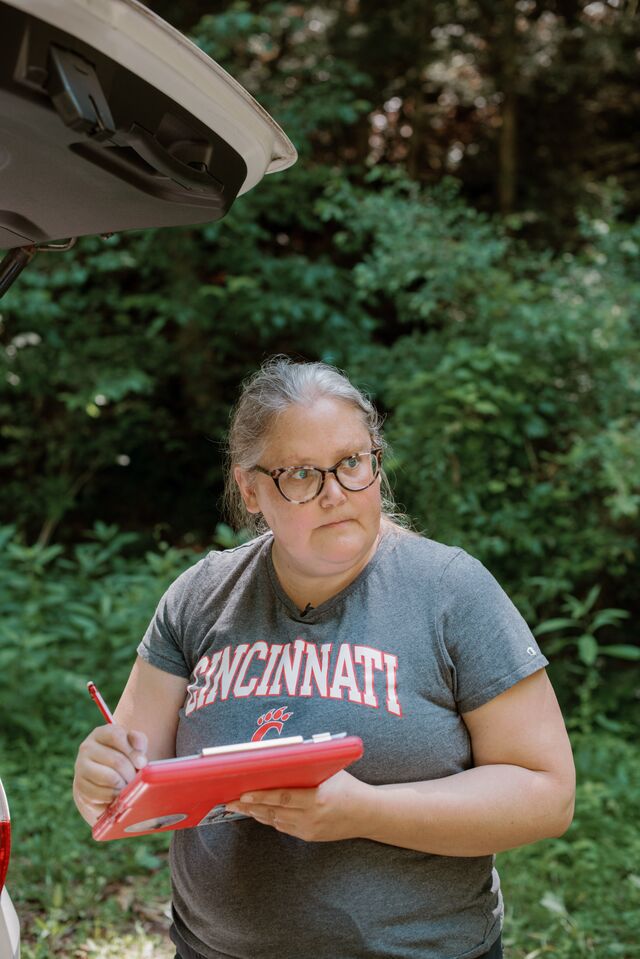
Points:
[107,760]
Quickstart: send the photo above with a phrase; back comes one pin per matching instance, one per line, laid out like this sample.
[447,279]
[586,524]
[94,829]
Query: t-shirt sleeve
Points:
[163,643]
[487,645]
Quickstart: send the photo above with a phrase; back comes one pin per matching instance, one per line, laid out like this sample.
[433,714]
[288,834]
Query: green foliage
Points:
[579,631]
[282,54]
[425,252]
[124,384]
[578,897]
[507,373]
[511,387]
[70,618]
[432,89]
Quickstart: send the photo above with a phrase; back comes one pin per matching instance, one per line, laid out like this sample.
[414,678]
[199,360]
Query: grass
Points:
[568,898]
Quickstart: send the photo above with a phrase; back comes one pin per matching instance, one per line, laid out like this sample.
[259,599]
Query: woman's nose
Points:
[332,493]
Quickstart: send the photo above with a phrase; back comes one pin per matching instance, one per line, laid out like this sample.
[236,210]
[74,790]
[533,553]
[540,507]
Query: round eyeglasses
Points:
[301,484]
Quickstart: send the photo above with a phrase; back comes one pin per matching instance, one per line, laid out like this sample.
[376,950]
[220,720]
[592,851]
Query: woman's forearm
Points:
[481,811]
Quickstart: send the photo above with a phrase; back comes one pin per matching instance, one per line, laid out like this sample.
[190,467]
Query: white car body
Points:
[9,928]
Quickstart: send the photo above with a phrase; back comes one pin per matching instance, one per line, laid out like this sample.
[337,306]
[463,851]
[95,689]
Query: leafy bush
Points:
[511,385]
[578,897]
[578,632]
[70,618]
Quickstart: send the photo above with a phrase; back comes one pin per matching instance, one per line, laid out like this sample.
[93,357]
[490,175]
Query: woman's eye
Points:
[300,474]
[351,462]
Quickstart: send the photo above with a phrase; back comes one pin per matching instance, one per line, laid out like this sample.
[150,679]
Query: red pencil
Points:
[99,701]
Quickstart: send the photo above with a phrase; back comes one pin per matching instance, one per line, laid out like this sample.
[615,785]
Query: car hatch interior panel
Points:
[89,147]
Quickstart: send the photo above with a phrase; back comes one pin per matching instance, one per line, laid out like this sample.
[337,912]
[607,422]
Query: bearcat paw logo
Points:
[274,719]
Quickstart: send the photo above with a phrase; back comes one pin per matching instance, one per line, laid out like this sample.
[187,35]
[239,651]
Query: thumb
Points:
[138,742]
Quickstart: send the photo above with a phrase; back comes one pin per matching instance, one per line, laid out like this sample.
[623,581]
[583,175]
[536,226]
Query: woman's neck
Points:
[307,590]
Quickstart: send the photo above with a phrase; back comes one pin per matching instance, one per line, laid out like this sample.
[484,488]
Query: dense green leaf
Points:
[621,651]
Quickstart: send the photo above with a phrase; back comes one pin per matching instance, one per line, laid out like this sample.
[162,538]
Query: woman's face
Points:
[337,530]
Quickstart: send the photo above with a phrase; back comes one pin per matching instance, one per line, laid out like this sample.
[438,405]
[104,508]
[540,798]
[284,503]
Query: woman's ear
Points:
[244,480]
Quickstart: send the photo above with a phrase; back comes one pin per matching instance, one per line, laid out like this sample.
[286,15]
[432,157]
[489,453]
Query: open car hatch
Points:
[110,119]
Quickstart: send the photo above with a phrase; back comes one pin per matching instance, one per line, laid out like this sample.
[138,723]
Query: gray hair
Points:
[279,384]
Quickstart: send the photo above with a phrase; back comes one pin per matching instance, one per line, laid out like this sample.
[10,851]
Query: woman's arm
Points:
[150,703]
[520,790]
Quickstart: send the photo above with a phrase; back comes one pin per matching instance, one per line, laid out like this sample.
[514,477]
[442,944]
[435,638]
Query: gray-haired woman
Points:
[333,617]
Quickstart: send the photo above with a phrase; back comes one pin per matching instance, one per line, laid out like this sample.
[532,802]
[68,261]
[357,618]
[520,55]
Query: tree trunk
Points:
[507,147]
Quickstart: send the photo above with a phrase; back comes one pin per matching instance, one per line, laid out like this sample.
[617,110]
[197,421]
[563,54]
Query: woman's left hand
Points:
[336,809]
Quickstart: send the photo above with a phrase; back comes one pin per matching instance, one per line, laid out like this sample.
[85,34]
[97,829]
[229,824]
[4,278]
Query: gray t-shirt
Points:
[422,635]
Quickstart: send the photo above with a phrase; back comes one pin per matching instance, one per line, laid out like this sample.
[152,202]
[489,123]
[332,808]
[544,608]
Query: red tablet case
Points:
[192,790]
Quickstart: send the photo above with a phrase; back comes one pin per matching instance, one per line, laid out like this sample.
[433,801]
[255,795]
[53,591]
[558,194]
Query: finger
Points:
[268,816]
[133,745]
[98,775]
[261,813]
[276,816]
[97,796]
[89,810]
[292,798]
[280,821]
[92,794]
[105,766]
[138,742]
[113,736]
[117,760]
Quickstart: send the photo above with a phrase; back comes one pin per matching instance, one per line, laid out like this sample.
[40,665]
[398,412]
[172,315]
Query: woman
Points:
[335,619]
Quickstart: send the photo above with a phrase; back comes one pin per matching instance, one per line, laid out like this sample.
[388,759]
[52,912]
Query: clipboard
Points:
[190,791]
